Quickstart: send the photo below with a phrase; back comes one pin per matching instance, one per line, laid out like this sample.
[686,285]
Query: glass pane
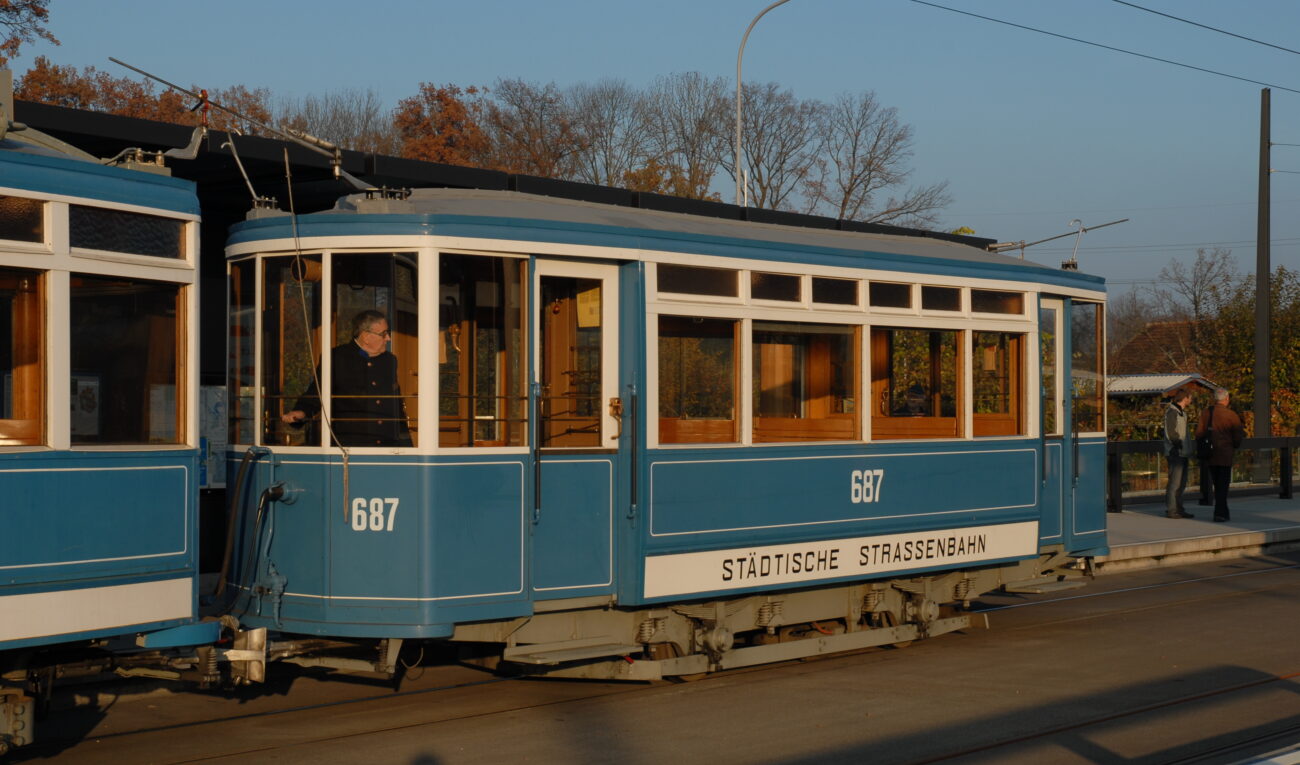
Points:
[774,287]
[482,388]
[998,382]
[22,358]
[241,346]
[1086,370]
[697,379]
[834,291]
[125,368]
[889,295]
[291,350]
[22,220]
[990,301]
[571,361]
[915,383]
[1048,339]
[805,382]
[375,357]
[940,298]
[692,280]
[95,228]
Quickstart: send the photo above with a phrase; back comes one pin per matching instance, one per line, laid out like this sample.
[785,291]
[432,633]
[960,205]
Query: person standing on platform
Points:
[1177,449]
[1226,433]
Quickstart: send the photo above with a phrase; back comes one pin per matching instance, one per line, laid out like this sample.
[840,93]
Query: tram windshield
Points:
[373,359]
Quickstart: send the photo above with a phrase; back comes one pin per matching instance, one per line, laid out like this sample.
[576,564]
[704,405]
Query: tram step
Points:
[568,650]
[1046,584]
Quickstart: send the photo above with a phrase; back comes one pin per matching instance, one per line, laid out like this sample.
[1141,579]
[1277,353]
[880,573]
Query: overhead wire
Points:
[1206,26]
[1108,47]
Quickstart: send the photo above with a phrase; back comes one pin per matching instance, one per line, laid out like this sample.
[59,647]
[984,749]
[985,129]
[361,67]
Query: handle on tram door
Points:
[537,451]
[634,435]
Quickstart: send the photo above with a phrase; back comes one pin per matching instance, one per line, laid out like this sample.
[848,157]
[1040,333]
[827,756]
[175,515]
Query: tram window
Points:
[291,347]
[693,280]
[241,374]
[765,286]
[940,298]
[94,228]
[890,295]
[1086,367]
[915,383]
[998,384]
[698,367]
[482,385]
[992,301]
[127,381]
[805,382]
[22,220]
[22,368]
[834,291]
[376,358]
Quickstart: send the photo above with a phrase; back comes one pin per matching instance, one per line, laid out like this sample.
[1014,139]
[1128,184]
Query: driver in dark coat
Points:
[366,405]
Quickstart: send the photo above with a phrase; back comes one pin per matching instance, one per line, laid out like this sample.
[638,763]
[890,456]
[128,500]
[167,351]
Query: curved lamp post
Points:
[740,55]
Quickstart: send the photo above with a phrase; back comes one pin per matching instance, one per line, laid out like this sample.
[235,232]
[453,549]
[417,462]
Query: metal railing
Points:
[1141,479]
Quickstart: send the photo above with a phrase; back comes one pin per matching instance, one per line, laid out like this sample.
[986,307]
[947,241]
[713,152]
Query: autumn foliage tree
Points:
[442,124]
[96,90]
[21,22]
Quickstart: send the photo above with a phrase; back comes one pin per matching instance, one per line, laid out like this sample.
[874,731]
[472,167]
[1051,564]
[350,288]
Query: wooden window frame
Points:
[885,425]
[1010,423]
[687,430]
[819,424]
[29,394]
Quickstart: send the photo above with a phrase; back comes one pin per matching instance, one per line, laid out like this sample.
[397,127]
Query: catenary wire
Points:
[1108,47]
[1206,26]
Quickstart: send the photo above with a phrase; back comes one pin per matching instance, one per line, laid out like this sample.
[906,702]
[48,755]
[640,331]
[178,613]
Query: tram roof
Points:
[477,213]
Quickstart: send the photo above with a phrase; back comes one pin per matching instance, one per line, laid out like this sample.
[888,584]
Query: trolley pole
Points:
[1263,293]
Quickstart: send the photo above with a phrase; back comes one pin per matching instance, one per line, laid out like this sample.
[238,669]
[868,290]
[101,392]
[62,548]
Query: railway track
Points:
[312,717]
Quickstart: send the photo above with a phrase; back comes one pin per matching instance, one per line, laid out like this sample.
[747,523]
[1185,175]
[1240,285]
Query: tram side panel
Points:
[718,522]
[96,544]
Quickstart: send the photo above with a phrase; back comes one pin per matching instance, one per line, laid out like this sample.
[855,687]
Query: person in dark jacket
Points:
[366,406]
[1176,452]
[1227,436]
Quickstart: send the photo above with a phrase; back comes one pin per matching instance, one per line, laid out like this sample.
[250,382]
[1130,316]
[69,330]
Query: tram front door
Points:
[576,448]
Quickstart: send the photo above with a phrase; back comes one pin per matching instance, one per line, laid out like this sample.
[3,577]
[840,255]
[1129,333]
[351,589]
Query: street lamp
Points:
[740,55]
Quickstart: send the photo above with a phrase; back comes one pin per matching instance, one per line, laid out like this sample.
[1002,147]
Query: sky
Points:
[1030,131]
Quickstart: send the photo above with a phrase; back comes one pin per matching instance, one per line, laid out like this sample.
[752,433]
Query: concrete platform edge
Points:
[1181,552]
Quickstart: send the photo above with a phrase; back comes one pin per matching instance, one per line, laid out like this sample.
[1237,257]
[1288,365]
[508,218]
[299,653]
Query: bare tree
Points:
[866,149]
[353,119]
[1194,294]
[688,115]
[531,129]
[779,144]
[609,119]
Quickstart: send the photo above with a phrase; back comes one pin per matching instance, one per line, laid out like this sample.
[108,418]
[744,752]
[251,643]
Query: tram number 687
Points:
[865,486]
[374,514]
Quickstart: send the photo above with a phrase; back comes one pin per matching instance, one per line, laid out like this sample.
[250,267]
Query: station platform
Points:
[1142,537]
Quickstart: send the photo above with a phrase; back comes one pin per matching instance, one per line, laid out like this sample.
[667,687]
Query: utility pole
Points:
[1263,293]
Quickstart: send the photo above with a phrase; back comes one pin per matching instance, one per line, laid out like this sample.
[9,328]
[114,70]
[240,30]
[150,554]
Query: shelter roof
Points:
[1153,384]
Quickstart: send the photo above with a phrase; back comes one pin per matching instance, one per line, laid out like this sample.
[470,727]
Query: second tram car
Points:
[98,437]
[618,442]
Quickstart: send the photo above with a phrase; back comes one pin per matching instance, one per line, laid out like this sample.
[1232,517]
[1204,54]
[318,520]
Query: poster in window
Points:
[85,407]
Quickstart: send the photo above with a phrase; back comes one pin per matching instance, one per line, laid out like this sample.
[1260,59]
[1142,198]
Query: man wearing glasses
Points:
[367,408]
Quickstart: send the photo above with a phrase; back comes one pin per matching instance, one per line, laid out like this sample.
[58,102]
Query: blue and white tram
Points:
[98,457]
[645,443]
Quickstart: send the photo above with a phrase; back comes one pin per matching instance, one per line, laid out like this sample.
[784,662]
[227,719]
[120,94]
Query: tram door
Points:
[1055,489]
[579,415]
